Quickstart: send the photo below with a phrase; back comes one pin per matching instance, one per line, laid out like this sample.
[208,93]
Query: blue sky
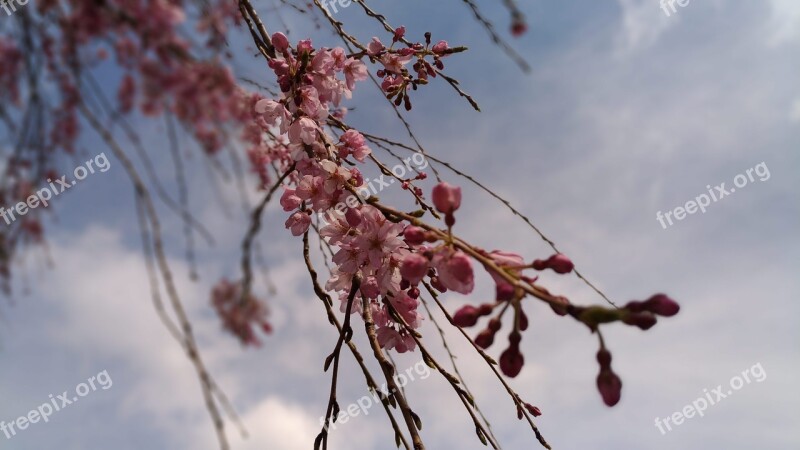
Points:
[627,112]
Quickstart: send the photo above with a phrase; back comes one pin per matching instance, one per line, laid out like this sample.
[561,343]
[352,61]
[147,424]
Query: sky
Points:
[627,114]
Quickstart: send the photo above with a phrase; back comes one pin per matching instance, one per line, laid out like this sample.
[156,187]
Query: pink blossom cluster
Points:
[241,316]
[397,79]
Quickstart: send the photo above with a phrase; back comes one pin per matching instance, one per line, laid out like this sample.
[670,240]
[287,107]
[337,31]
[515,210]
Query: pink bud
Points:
[561,307]
[662,305]
[305,46]
[511,362]
[280,42]
[518,27]
[414,235]
[635,306]
[561,264]
[465,317]
[414,268]
[523,321]
[446,197]
[504,291]
[484,339]
[535,412]
[610,387]
[440,47]
[644,320]
[485,309]
[604,358]
[399,33]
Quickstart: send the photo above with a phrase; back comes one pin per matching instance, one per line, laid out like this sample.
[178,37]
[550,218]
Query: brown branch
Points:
[412,420]
[371,384]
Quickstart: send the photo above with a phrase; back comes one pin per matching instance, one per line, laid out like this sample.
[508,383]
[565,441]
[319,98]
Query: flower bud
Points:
[559,263]
[495,325]
[511,361]
[485,309]
[662,305]
[467,316]
[604,358]
[635,306]
[414,235]
[484,339]
[446,197]
[504,292]
[399,33]
[280,42]
[414,268]
[523,321]
[644,320]
[610,387]
[440,47]
[561,308]
[533,410]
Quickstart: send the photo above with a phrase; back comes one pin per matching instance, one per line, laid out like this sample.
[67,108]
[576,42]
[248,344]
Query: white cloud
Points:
[785,21]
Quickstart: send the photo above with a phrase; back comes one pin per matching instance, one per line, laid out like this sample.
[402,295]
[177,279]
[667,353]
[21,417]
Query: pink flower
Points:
[394,63]
[239,318]
[289,200]
[455,270]
[311,104]
[354,144]
[354,70]
[511,262]
[414,268]
[323,63]
[446,197]
[374,47]
[273,112]
[389,339]
[379,237]
[298,223]
[407,308]
[303,130]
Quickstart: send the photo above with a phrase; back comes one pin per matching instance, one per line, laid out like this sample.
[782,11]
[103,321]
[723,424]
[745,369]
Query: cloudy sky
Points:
[626,113]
